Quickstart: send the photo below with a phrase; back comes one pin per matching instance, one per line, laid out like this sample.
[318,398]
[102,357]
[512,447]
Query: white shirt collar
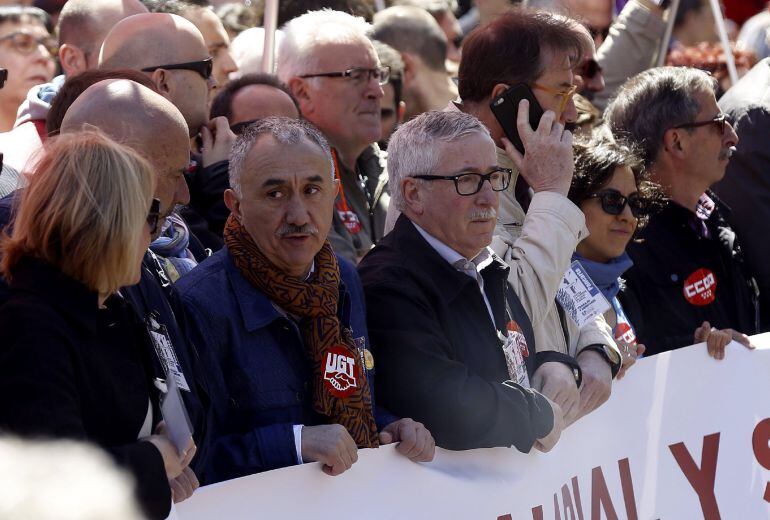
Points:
[480,261]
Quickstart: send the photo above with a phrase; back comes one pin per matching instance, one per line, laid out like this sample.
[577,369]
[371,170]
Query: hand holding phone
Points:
[505,107]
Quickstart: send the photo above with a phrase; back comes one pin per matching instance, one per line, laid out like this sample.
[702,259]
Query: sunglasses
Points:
[613,203]
[565,95]
[589,69]
[719,121]
[203,67]
[25,43]
[153,217]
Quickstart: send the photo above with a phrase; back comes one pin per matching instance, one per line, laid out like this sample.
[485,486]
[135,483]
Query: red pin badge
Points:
[700,288]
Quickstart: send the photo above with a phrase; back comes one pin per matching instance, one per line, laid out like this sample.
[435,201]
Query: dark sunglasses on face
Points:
[613,203]
[589,69]
[202,67]
[153,217]
[25,43]
[719,121]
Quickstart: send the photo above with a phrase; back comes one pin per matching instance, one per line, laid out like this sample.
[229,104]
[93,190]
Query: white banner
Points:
[683,436]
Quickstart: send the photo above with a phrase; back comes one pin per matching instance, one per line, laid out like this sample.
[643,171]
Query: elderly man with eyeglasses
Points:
[453,342]
[332,69]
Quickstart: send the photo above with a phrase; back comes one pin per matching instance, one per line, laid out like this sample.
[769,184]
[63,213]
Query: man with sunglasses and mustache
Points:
[689,270]
[173,53]
[279,318]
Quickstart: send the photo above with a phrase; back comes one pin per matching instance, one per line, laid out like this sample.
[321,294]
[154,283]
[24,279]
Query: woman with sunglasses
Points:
[614,192]
[75,361]
[27,52]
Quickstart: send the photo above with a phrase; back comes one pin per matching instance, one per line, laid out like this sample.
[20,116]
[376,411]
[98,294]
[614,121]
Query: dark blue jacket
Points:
[258,369]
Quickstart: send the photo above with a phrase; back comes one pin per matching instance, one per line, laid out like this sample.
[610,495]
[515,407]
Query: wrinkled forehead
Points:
[270,157]
[356,52]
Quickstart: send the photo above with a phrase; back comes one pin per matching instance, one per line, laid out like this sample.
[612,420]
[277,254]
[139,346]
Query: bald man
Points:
[143,120]
[171,50]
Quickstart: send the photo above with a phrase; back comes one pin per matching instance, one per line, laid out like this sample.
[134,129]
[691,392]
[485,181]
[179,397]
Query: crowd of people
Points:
[431,225]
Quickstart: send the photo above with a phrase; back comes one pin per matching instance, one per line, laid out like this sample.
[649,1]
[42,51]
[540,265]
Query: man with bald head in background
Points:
[172,52]
[82,26]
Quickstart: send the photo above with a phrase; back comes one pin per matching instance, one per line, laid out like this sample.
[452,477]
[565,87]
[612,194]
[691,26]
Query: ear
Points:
[413,197]
[163,83]
[674,142]
[400,112]
[233,203]
[410,67]
[300,89]
[72,59]
[498,89]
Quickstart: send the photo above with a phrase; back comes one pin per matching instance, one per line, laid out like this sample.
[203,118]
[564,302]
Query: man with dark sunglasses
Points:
[688,267]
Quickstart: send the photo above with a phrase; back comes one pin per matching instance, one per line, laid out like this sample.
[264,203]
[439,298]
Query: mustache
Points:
[291,229]
[483,214]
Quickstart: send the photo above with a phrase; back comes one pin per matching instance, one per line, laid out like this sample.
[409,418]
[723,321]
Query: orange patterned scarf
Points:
[340,388]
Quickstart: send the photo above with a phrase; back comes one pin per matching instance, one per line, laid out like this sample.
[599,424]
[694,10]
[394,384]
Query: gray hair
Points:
[654,101]
[306,35]
[285,130]
[414,148]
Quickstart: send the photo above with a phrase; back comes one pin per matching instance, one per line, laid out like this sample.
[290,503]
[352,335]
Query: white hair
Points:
[285,130]
[415,147]
[306,35]
[247,49]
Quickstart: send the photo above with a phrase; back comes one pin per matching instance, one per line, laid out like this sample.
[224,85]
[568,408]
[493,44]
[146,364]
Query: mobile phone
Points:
[506,106]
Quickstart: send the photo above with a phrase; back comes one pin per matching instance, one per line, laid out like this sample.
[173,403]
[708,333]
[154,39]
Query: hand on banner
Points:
[173,461]
[545,444]
[217,140]
[597,381]
[629,355]
[415,441]
[557,382]
[547,164]
[331,445]
[716,340]
[184,485]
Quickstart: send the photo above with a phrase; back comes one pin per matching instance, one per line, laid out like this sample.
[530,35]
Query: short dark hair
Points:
[595,163]
[290,9]
[510,50]
[223,102]
[17,14]
[178,7]
[238,17]
[77,84]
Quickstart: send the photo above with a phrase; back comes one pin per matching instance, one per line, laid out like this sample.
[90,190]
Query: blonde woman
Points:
[75,361]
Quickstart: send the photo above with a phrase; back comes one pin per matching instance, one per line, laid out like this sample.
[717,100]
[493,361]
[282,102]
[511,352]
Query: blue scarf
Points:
[606,276]
[171,248]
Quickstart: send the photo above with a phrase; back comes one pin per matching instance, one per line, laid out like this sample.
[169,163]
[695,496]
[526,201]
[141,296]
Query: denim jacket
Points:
[259,372]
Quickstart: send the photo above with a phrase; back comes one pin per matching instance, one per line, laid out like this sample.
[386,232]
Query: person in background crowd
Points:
[291,9]
[451,337]
[252,97]
[282,319]
[444,13]
[214,34]
[744,187]
[393,108]
[92,198]
[332,69]
[689,258]
[694,23]
[417,36]
[27,51]
[172,52]
[754,34]
[237,17]
[711,58]
[247,50]
[595,15]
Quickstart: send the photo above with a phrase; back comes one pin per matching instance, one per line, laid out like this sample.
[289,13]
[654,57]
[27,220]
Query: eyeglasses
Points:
[566,95]
[589,69]
[719,121]
[153,217]
[358,75]
[613,203]
[202,67]
[471,183]
[25,43]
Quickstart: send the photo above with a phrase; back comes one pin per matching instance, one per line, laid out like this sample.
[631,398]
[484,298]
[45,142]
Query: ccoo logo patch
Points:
[625,334]
[341,372]
[700,288]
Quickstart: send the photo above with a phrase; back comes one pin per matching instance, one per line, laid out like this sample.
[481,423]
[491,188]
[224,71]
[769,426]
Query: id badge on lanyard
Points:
[515,350]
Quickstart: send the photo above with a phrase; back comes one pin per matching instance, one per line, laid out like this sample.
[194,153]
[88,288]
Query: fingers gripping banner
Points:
[683,436]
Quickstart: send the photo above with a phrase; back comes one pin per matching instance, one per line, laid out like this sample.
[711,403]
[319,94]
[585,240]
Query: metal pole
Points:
[663,50]
[720,22]
[270,23]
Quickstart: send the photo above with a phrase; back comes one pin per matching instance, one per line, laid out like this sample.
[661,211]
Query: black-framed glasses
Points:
[613,202]
[719,121]
[467,183]
[203,67]
[26,43]
[589,69]
[153,216]
[357,75]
